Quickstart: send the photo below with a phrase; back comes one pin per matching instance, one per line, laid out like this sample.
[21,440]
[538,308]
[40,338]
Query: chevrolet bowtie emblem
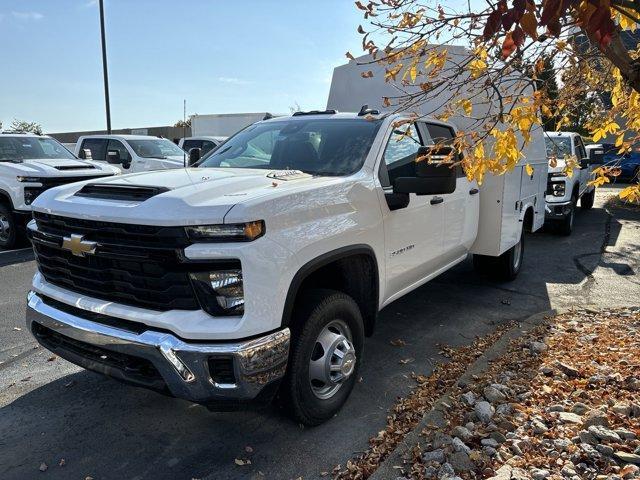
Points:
[79,247]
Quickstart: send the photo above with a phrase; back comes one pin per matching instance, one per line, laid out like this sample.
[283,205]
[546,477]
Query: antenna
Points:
[184,129]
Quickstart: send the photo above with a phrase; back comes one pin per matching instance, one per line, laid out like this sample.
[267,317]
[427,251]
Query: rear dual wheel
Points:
[327,341]
[504,268]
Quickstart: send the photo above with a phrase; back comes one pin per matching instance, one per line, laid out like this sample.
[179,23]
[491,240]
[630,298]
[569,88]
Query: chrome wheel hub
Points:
[333,360]
[517,253]
[5,228]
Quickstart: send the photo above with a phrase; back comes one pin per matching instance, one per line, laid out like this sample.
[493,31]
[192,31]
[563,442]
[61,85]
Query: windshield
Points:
[155,148]
[15,149]
[558,146]
[316,146]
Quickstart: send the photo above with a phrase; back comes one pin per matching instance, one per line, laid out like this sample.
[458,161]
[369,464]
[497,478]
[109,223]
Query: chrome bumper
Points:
[173,365]
[556,211]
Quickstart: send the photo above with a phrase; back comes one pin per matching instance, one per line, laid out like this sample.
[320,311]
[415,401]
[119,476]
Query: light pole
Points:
[104,68]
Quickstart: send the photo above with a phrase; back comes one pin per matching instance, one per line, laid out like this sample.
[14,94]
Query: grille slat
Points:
[133,265]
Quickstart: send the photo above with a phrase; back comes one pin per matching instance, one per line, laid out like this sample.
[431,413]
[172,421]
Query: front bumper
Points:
[159,360]
[557,210]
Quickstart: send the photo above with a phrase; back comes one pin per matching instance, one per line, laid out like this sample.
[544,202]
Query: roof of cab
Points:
[123,135]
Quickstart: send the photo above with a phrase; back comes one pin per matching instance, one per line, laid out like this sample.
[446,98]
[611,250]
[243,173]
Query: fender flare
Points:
[325,259]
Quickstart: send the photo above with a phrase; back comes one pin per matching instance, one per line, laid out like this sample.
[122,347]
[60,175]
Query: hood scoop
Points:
[88,166]
[131,193]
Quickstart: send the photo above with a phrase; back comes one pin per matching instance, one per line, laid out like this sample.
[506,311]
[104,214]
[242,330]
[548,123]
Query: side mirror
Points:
[113,156]
[85,154]
[596,156]
[194,156]
[434,174]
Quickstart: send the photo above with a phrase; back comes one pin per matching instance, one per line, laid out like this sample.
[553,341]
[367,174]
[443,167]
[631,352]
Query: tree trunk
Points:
[618,54]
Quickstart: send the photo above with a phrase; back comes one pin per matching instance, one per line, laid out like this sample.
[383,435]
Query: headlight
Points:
[558,189]
[221,292]
[20,178]
[232,232]
[31,193]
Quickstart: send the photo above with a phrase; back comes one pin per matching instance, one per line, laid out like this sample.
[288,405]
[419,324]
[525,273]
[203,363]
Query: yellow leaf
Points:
[413,72]
[529,170]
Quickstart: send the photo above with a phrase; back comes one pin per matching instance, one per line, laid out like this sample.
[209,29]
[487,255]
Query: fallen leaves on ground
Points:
[562,402]
[407,411]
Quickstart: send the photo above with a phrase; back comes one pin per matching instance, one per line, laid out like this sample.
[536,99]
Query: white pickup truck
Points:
[29,165]
[131,153]
[262,269]
[564,191]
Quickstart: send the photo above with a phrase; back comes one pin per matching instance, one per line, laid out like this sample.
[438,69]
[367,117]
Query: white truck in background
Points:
[29,165]
[131,153]
[260,272]
[564,190]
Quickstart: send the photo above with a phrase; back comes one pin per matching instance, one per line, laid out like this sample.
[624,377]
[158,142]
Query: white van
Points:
[132,153]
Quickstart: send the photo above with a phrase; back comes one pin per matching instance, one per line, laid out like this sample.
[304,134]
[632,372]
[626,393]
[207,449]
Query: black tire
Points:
[316,310]
[8,227]
[565,226]
[504,268]
[587,200]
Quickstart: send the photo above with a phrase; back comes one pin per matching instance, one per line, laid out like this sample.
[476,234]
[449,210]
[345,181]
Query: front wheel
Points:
[8,228]
[587,200]
[566,225]
[326,350]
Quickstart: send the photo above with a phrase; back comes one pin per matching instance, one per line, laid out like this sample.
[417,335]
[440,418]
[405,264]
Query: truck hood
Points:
[47,167]
[191,196]
[560,165]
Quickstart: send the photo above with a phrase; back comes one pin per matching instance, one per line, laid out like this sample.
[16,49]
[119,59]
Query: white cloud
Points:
[91,3]
[234,80]
[27,15]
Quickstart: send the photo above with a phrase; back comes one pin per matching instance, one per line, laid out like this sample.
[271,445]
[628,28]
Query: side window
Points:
[207,146]
[400,154]
[189,144]
[122,150]
[97,146]
[441,135]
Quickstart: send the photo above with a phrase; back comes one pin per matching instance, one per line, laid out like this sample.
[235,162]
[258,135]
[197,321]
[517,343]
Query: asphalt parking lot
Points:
[51,410]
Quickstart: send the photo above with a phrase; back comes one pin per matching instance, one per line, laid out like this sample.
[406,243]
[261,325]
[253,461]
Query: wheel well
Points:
[528,220]
[354,272]
[6,199]
[576,191]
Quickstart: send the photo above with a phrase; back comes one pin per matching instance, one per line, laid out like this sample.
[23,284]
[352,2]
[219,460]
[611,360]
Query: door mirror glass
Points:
[194,156]
[113,156]
[434,172]
[596,155]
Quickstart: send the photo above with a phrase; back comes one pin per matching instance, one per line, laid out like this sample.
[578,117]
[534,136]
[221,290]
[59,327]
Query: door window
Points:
[97,147]
[442,135]
[581,152]
[400,155]
[207,146]
[189,144]
[120,148]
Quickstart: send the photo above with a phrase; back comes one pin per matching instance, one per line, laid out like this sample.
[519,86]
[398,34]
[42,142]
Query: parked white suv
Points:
[264,268]
[132,153]
[29,165]
[564,191]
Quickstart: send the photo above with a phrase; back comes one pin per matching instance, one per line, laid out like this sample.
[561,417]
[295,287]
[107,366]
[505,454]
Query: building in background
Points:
[172,133]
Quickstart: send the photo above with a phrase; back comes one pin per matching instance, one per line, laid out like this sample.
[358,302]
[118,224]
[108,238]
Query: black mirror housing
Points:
[194,156]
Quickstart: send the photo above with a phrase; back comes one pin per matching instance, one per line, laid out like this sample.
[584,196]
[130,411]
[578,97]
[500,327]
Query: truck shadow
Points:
[105,429]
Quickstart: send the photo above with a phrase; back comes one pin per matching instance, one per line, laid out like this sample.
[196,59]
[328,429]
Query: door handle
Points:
[473,191]
[436,200]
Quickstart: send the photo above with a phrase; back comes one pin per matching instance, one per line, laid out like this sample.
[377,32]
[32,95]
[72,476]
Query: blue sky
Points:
[222,56]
